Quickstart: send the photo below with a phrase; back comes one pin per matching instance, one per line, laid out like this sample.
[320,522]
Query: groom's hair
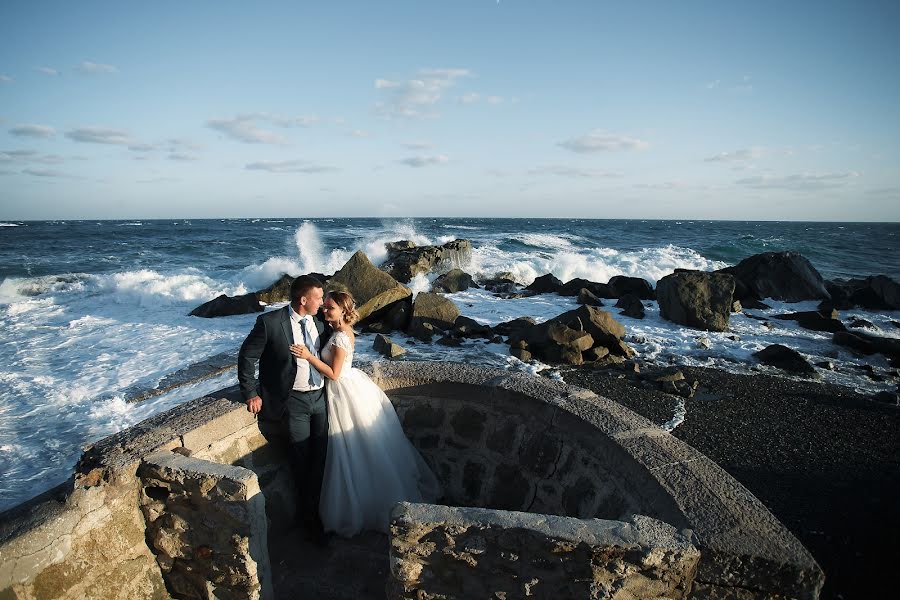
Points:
[303,284]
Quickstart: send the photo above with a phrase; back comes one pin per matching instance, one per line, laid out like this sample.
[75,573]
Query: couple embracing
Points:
[350,458]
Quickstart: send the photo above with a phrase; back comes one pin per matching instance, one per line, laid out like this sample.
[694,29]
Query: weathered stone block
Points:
[468,423]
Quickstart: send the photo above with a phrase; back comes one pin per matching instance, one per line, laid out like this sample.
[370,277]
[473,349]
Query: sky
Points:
[597,109]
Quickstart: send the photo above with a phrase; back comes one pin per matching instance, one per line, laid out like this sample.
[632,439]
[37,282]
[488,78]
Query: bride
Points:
[370,464]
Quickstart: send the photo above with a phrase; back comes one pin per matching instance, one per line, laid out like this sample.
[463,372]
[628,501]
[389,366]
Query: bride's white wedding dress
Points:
[370,464]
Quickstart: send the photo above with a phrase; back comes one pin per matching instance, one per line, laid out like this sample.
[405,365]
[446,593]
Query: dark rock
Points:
[785,358]
[280,291]
[779,275]
[814,320]
[507,328]
[455,280]
[545,284]
[386,347]
[696,299]
[511,489]
[404,263]
[600,324]
[373,289]
[753,304]
[571,288]
[858,323]
[500,285]
[223,306]
[877,292]
[434,310]
[621,285]
[586,296]
[571,337]
[826,364]
[399,246]
[867,343]
[466,327]
[632,306]
[449,340]
[596,353]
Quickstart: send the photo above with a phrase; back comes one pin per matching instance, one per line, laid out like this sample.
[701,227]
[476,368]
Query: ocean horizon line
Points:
[403,218]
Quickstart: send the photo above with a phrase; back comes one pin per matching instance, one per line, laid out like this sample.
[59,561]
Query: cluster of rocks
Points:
[696,299]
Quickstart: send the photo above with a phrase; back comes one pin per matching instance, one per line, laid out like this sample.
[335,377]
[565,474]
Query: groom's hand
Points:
[254,404]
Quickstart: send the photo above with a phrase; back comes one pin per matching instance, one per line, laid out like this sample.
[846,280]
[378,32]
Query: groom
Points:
[290,389]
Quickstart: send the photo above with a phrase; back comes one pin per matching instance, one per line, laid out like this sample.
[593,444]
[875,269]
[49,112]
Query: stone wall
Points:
[511,443]
[444,552]
[206,523]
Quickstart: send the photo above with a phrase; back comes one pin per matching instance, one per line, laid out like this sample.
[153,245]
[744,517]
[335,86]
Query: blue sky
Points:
[715,110]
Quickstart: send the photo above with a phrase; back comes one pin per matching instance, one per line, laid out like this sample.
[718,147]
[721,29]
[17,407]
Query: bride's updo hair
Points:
[347,304]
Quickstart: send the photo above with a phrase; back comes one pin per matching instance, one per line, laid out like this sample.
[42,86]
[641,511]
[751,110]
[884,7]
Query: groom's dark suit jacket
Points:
[269,342]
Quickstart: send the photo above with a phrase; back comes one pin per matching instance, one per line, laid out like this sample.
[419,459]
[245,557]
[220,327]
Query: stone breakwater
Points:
[551,490]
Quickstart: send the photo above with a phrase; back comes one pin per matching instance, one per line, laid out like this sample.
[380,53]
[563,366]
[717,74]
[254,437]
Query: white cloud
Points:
[425,161]
[470,98]
[800,182]
[29,156]
[48,71]
[601,141]
[244,129]
[100,135]
[416,98]
[359,133]
[96,68]
[49,173]
[574,172]
[741,155]
[5,78]
[34,131]
[494,100]
[288,166]
[713,84]
[418,145]
[181,157]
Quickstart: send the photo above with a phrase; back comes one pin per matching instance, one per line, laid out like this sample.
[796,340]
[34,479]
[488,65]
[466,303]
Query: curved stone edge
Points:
[742,544]
[475,552]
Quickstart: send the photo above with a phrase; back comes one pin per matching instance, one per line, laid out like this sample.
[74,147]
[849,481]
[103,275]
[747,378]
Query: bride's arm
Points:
[332,371]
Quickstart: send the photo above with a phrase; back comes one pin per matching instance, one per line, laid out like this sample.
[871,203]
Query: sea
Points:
[95,334]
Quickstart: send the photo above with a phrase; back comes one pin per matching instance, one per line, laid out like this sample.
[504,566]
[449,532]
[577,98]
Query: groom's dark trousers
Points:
[305,413]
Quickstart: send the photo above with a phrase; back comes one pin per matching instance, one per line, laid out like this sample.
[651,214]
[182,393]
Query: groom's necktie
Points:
[315,378]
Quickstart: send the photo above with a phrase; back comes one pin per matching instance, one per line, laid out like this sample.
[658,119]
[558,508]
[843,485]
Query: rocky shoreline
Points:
[822,457]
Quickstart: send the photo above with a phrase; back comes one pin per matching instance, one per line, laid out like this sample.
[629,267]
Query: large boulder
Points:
[545,284]
[786,359]
[576,336]
[868,344]
[877,292]
[405,262]
[280,291]
[431,312]
[631,306]
[696,299]
[454,280]
[223,306]
[621,285]
[784,276]
[815,320]
[373,289]
[386,347]
[574,286]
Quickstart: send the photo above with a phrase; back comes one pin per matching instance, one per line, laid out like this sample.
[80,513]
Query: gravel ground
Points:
[824,459]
